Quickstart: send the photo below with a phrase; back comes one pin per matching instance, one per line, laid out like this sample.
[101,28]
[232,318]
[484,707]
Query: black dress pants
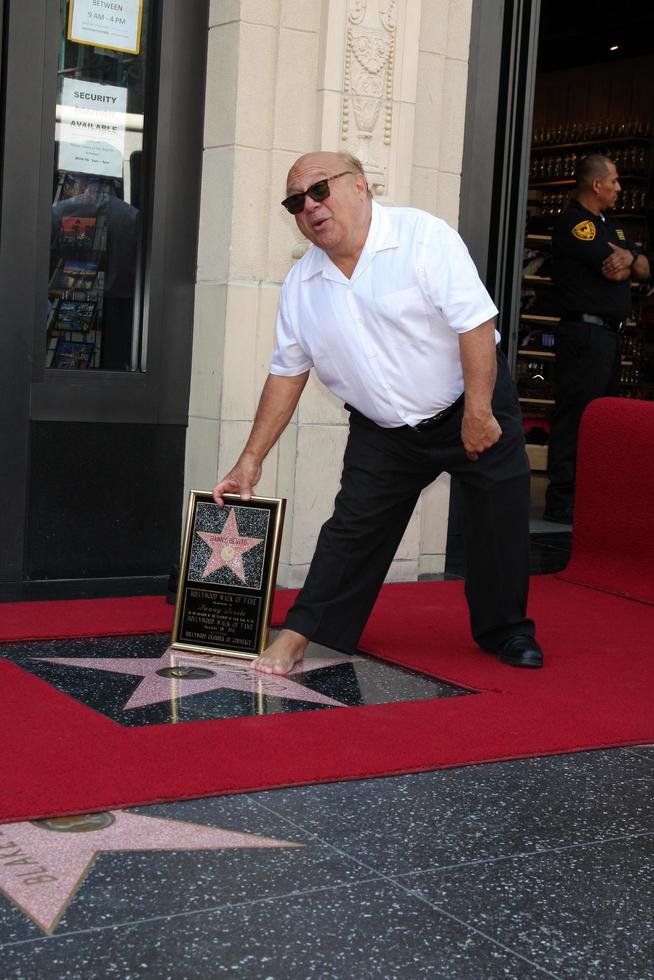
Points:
[384,471]
[587,367]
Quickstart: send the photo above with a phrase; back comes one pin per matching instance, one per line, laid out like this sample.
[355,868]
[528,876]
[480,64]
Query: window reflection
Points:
[96,230]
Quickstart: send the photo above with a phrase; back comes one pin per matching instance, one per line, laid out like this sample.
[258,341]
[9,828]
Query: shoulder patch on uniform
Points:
[619,232]
[585,231]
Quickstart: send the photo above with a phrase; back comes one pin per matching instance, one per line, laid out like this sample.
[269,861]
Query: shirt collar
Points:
[576,203]
[381,235]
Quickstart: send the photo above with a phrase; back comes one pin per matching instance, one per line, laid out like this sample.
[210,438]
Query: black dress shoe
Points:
[520,651]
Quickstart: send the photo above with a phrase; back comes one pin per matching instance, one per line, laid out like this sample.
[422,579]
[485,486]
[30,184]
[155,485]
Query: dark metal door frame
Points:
[26,182]
[495,177]
[495,173]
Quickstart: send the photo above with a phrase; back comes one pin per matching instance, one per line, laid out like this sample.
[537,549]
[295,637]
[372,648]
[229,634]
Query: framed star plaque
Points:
[227,574]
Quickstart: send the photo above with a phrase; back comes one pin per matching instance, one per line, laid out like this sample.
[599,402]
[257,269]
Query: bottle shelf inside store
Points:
[535,353]
[547,280]
[559,182]
[594,141]
[569,181]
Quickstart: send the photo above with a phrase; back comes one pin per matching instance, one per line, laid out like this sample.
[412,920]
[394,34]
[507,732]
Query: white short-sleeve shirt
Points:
[387,340]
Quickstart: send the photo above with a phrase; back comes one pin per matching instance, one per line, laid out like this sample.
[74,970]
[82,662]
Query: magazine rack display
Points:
[76,287]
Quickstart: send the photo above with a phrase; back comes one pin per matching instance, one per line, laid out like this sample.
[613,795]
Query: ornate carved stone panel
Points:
[367,112]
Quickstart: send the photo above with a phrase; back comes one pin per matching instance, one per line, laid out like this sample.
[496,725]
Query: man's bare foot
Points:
[280,657]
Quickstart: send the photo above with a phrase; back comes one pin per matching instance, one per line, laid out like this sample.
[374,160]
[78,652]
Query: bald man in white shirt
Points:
[387,306]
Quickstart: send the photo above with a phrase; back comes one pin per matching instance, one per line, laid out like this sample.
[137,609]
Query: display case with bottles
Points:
[555,155]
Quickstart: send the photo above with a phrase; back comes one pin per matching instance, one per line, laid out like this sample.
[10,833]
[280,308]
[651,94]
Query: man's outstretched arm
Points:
[278,401]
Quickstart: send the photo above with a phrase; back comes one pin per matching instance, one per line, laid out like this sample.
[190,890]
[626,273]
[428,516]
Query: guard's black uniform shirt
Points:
[579,246]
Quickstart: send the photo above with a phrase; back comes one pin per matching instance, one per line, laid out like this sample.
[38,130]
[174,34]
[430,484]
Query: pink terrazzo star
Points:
[228,673]
[40,869]
[227,547]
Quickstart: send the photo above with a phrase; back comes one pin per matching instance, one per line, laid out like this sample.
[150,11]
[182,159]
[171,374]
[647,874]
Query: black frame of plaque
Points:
[203,607]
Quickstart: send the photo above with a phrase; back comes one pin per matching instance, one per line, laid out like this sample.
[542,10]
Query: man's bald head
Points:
[328,162]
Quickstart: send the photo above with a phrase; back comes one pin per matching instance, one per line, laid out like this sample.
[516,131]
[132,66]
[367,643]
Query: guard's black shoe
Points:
[558,516]
[520,651]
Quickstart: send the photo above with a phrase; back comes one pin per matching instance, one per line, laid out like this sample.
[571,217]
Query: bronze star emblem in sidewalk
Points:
[44,862]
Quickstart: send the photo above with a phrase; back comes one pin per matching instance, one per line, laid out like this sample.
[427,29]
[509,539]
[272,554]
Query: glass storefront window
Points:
[94,319]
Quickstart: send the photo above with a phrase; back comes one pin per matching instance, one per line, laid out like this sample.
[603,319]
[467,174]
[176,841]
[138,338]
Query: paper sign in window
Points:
[91,131]
[114,24]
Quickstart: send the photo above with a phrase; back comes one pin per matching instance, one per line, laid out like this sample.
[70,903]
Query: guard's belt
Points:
[610,322]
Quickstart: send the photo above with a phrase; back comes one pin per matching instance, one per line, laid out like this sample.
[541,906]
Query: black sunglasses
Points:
[317,192]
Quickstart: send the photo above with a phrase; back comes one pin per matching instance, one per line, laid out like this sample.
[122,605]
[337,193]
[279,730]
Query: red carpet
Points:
[61,757]
[59,619]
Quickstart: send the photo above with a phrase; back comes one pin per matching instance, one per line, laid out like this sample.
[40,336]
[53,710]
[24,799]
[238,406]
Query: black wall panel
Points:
[105,500]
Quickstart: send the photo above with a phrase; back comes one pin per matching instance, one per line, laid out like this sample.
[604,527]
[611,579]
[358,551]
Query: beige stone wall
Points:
[385,79]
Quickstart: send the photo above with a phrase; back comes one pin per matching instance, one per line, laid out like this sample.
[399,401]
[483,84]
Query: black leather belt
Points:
[610,322]
[439,417]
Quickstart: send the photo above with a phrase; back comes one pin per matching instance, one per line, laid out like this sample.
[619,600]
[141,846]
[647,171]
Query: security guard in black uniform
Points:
[593,265]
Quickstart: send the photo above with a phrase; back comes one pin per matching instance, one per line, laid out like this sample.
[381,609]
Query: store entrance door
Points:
[101,163]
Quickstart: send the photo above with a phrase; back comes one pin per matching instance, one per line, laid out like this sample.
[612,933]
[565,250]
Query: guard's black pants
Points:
[587,367]
[384,471]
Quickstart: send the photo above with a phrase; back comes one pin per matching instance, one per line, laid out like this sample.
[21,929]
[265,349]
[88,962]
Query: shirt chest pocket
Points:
[404,318]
